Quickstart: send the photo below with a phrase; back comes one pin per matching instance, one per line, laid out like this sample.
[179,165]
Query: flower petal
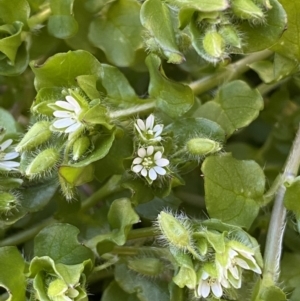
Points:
[150,122]
[141,124]
[160,170]
[242,263]
[141,152]
[205,275]
[234,272]
[150,150]
[152,174]
[144,172]
[10,156]
[157,155]
[73,127]
[62,114]
[217,289]
[6,144]
[65,105]
[204,289]
[137,168]
[158,130]
[63,123]
[162,162]
[73,102]
[137,161]
[10,163]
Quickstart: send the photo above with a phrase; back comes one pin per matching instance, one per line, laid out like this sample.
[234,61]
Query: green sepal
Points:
[76,176]
[121,217]
[10,183]
[241,185]
[12,277]
[80,147]
[156,18]
[216,240]
[172,98]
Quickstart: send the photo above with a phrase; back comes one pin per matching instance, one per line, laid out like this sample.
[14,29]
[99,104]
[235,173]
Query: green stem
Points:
[39,18]
[278,218]
[133,110]
[231,72]
[142,233]
[110,187]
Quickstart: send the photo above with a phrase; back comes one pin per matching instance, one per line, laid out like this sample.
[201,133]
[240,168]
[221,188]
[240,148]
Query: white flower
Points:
[147,131]
[208,283]
[68,118]
[5,157]
[149,164]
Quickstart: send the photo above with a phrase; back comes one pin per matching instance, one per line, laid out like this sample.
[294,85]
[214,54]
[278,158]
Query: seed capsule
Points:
[38,134]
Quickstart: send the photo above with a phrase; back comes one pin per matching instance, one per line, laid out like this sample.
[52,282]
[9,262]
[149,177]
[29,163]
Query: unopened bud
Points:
[175,232]
[202,146]
[8,202]
[43,162]
[146,266]
[230,35]
[38,134]
[80,146]
[247,10]
[214,44]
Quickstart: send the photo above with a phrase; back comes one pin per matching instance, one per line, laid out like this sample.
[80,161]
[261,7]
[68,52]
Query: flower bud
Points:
[175,232]
[43,162]
[146,266]
[247,10]
[38,134]
[8,202]
[80,146]
[214,44]
[202,146]
[230,35]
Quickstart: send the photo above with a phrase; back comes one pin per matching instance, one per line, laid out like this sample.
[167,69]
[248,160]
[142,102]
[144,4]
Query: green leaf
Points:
[291,197]
[265,70]
[12,277]
[62,24]
[114,292]
[118,90]
[172,98]
[7,122]
[102,145]
[205,6]
[59,241]
[10,44]
[267,33]
[121,21]
[62,69]
[76,176]
[288,44]
[156,18]
[14,10]
[233,189]
[88,83]
[37,196]
[145,289]
[236,105]
[121,217]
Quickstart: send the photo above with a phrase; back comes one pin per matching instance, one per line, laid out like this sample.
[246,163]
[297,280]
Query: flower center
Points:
[147,162]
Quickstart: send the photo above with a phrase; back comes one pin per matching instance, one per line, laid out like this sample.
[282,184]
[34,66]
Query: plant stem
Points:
[39,18]
[110,187]
[142,233]
[150,105]
[278,218]
[231,72]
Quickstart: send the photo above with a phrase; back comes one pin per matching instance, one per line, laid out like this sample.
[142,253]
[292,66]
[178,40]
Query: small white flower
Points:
[5,157]
[68,118]
[209,284]
[149,164]
[148,131]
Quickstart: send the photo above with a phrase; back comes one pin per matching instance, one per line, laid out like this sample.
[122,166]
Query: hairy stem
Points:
[278,218]
[110,187]
[229,73]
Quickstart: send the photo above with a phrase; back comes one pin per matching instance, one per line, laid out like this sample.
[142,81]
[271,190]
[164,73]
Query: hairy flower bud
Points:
[202,146]
[174,231]
[38,134]
[230,35]
[214,44]
[247,10]
[80,146]
[43,162]
[7,202]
